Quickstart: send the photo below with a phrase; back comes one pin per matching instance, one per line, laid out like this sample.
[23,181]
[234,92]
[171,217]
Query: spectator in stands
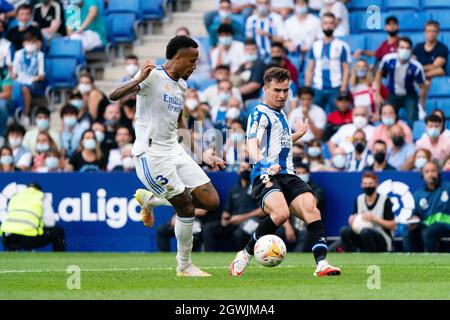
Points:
[42,120]
[126,163]
[341,13]
[278,56]
[403,74]
[244,7]
[432,212]
[338,161]
[401,150]
[432,54]
[328,68]
[249,77]
[380,163]
[87,25]
[25,25]
[283,7]
[5,48]
[342,116]
[342,138]
[446,165]
[389,118]
[7,160]
[5,98]
[49,16]
[131,67]
[83,116]
[265,27]
[44,143]
[71,129]
[240,217]
[234,150]
[417,160]
[112,122]
[22,157]
[363,89]
[388,46]
[317,118]
[29,69]
[228,51]
[100,132]
[123,138]
[444,131]
[316,159]
[53,162]
[211,94]
[370,226]
[89,157]
[302,29]
[226,17]
[95,99]
[435,141]
[361,156]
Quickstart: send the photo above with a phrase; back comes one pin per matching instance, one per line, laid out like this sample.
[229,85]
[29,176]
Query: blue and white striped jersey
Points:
[272,130]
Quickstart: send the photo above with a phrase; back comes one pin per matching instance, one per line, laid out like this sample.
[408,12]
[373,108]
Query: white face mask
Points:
[191,104]
[420,162]
[5,160]
[30,47]
[100,136]
[404,54]
[84,88]
[360,122]
[304,177]
[77,103]
[339,161]
[233,113]
[131,69]
[51,162]
[128,163]
[15,142]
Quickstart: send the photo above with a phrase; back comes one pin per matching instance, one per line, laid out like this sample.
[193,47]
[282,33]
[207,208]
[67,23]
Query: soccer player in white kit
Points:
[170,175]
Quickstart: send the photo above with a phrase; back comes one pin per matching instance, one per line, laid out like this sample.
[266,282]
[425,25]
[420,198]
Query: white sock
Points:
[183,233]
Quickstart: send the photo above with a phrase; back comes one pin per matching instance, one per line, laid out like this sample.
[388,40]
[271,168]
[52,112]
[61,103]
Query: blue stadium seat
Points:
[152,10]
[359,23]
[439,88]
[129,6]
[408,20]
[436,4]
[403,115]
[121,27]
[160,61]
[191,84]
[416,37]
[418,129]
[430,104]
[17,97]
[445,36]
[66,48]
[355,41]
[442,16]
[362,5]
[374,40]
[444,105]
[206,83]
[402,4]
[204,41]
[61,73]
[250,105]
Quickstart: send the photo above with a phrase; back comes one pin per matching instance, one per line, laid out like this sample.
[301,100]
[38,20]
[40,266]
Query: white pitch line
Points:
[171,269]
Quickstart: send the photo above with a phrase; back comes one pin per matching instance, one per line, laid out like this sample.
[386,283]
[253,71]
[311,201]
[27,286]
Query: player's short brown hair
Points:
[371,175]
[276,74]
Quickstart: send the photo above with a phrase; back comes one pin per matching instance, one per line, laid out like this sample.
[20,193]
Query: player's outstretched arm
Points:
[132,86]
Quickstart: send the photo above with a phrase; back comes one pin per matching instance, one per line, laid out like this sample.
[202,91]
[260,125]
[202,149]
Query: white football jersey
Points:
[159,103]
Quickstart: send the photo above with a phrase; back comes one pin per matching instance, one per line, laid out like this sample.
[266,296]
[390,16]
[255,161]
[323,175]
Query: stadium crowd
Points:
[362,105]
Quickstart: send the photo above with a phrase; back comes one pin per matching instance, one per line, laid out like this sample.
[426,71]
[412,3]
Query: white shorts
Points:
[167,176]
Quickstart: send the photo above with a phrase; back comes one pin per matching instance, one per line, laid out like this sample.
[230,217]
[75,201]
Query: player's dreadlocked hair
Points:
[178,43]
[276,74]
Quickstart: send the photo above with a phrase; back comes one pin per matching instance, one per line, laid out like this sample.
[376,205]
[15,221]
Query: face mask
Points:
[224,15]
[369,190]
[388,121]
[360,122]
[84,88]
[314,152]
[361,73]
[78,103]
[404,54]
[191,104]
[433,132]
[30,47]
[304,177]
[131,69]
[224,97]
[51,162]
[235,137]
[250,57]
[398,141]
[23,25]
[233,113]
[128,163]
[329,1]
[301,10]
[15,142]
[226,41]
[42,124]
[70,121]
[328,33]
[245,175]
[111,123]
[263,10]
[100,136]
[359,147]
[379,157]
[42,147]
[339,161]
[89,144]
[420,162]
[276,60]
[393,33]
[5,160]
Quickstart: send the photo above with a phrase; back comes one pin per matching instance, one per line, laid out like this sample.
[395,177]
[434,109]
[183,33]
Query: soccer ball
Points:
[270,250]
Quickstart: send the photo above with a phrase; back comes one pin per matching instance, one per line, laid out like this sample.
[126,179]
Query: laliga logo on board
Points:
[401,198]
[115,211]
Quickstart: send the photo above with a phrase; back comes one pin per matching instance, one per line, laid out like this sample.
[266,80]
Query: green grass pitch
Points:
[152,276]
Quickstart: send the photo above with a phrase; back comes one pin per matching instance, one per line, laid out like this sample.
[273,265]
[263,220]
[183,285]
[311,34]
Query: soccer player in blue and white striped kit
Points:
[275,184]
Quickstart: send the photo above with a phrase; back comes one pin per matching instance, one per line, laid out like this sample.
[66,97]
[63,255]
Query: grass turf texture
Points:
[152,276]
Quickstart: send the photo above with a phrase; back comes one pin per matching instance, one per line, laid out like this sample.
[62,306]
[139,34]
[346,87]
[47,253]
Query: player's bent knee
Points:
[279,216]
[183,205]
